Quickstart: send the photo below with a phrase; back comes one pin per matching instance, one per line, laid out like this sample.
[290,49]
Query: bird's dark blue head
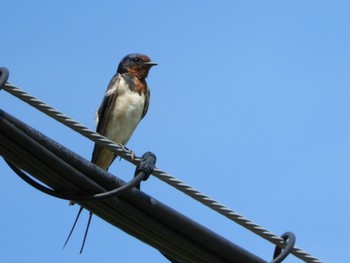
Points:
[136,64]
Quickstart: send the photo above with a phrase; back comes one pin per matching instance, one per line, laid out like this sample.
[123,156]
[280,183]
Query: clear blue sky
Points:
[249,104]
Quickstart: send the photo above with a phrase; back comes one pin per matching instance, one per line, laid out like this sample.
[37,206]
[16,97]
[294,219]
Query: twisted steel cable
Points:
[160,174]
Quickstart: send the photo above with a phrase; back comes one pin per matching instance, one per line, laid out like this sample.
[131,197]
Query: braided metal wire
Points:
[162,175]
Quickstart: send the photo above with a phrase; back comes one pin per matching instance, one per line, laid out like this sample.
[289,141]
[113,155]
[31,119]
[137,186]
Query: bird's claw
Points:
[128,151]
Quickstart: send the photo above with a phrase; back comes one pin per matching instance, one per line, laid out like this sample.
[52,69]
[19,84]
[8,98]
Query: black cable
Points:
[136,213]
[143,172]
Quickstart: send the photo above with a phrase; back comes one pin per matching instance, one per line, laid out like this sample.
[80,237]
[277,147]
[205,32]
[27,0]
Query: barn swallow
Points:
[124,105]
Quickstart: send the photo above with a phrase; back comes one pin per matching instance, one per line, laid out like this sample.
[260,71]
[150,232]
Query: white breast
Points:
[125,115]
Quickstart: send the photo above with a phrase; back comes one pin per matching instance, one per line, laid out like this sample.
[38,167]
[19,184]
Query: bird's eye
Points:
[136,59]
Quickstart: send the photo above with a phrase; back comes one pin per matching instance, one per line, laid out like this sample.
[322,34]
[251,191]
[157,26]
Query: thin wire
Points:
[160,174]
[135,182]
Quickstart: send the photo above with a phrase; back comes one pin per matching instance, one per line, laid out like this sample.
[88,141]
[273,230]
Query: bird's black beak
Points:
[150,63]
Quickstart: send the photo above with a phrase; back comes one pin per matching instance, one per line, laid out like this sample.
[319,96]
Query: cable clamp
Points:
[279,255]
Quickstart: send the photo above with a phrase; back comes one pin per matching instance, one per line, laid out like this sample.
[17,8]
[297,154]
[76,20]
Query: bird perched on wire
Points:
[123,106]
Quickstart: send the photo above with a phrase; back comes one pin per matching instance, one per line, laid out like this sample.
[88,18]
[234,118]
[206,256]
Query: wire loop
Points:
[4,75]
[279,255]
[143,172]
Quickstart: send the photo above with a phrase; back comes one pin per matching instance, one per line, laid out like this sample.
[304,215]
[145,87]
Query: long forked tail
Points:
[71,231]
[86,231]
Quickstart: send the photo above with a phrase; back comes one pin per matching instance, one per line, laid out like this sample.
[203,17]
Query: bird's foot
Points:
[129,152]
